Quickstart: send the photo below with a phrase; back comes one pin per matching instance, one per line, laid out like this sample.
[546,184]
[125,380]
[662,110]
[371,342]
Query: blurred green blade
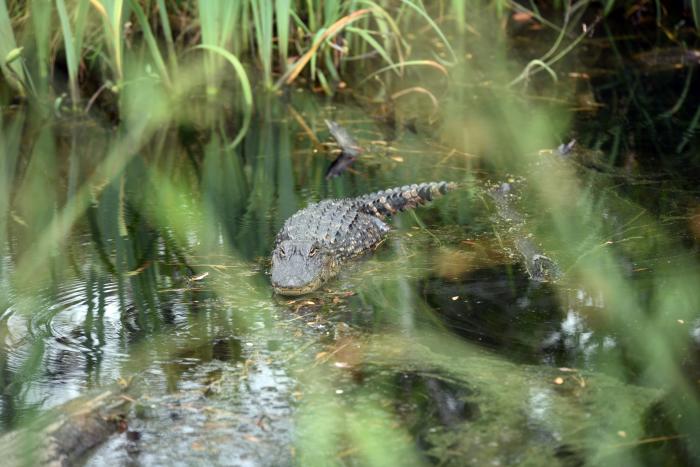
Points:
[151,41]
[14,73]
[70,50]
[245,86]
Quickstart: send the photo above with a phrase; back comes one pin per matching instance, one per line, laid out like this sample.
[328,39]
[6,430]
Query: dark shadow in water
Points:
[498,308]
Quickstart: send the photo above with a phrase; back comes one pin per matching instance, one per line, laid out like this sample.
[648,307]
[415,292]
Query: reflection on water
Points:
[158,270]
[230,408]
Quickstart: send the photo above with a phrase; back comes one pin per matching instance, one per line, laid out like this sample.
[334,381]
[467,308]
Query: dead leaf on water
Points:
[521,17]
[199,277]
[18,219]
[138,270]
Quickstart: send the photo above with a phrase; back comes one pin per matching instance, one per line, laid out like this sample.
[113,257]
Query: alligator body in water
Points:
[316,241]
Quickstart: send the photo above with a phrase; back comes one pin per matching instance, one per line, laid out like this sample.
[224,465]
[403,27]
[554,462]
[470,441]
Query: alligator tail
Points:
[388,202]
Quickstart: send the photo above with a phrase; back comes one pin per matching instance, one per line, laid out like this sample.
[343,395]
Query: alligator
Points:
[315,242]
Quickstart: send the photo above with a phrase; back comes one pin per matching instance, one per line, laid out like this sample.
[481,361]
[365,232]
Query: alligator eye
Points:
[313,251]
[282,252]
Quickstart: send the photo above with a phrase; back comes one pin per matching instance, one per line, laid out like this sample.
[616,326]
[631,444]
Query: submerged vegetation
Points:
[546,311]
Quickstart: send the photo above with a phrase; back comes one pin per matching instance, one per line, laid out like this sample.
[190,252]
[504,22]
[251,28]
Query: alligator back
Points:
[389,202]
[337,224]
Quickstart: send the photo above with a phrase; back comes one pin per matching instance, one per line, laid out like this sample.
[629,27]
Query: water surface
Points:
[152,262]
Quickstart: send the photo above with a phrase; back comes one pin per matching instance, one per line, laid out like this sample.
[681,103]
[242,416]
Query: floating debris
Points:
[565,149]
[349,149]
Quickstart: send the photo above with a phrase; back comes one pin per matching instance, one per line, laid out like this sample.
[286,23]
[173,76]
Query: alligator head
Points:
[299,268]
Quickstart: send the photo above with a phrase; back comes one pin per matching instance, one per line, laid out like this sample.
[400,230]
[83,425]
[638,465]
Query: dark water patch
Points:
[501,309]
[473,407]
[428,403]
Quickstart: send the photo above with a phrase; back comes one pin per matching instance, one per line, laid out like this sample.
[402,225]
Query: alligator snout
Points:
[294,273]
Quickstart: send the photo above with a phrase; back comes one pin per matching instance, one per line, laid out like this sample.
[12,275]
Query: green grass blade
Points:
[111,12]
[459,9]
[262,20]
[41,16]
[168,33]
[14,73]
[230,12]
[217,20]
[374,44]
[330,64]
[433,25]
[379,12]
[245,85]
[69,47]
[80,26]
[14,55]
[428,63]
[300,23]
[150,41]
[117,10]
[209,31]
[311,15]
[282,12]
[324,83]
[314,57]
[331,11]
[207,22]
[319,39]
[695,8]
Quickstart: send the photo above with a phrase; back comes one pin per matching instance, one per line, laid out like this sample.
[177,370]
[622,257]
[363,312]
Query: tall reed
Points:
[71,46]
[263,26]
[112,13]
[10,54]
[217,20]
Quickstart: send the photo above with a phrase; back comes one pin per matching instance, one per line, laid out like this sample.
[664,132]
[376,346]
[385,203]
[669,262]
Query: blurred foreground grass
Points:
[161,146]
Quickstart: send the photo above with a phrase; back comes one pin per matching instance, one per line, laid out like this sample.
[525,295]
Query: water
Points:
[150,260]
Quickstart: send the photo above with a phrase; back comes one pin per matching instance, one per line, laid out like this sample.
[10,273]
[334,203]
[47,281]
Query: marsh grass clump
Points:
[78,47]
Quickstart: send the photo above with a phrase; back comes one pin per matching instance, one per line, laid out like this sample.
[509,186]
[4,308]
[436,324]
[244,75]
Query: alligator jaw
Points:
[299,268]
[296,291]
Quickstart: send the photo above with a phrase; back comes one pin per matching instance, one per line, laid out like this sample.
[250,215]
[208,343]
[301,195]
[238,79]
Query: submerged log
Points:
[64,435]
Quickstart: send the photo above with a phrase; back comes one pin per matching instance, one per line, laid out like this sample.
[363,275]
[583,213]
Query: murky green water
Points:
[151,261]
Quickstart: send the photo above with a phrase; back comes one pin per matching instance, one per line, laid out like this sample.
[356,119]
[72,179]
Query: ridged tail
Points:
[388,202]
